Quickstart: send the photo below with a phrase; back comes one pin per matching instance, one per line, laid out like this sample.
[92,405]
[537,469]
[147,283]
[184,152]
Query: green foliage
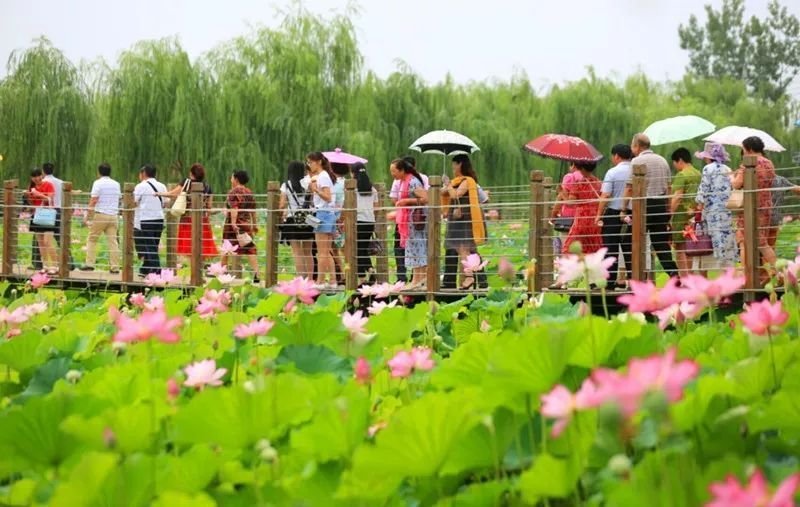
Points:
[272,95]
[764,53]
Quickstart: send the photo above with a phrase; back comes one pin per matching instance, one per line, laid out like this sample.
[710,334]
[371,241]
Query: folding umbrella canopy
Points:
[734,135]
[563,147]
[444,142]
[337,156]
[679,128]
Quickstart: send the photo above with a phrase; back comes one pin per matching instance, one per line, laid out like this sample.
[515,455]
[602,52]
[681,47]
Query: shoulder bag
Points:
[179,206]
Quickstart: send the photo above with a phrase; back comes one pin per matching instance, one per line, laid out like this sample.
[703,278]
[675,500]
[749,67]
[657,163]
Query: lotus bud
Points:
[620,464]
[119,348]
[583,309]
[488,422]
[173,389]
[437,338]
[73,376]
[576,248]
[249,386]
[109,438]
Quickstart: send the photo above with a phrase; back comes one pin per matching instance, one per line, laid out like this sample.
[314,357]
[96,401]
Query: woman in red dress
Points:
[40,195]
[584,192]
[197,174]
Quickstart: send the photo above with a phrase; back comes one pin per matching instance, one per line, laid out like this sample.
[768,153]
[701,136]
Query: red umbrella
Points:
[563,147]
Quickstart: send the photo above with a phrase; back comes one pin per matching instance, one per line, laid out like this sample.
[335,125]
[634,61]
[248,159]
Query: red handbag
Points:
[698,242]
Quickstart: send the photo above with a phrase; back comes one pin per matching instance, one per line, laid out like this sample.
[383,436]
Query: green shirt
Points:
[687,181]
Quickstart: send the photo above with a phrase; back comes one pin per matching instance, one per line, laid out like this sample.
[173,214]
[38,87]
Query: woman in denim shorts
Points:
[321,187]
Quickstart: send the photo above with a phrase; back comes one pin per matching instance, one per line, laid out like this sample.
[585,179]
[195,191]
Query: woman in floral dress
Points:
[712,199]
[583,192]
[413,236]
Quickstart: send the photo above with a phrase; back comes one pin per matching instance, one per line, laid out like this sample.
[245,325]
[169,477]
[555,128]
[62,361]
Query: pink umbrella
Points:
[337,156]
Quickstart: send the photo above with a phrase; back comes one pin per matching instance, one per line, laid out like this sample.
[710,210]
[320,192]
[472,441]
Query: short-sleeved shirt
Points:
[338,193]
[241,198]
[614,183]
[294,200]
[687,180]
[46,188]
[58,185]
[324,181]
[780,186]
[658,174]
[394,192]
[149,206]
[366,206]
[568,210]
[108,193]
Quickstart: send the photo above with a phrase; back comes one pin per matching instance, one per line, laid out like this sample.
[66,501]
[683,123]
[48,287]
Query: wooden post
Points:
[434,219]
[10,217]
[547,267]
[271,247]
[639,224]
[128,210]
[752,257]
[536,230]
[196,212]
[382,260]
[171,227]
[66,229]
[350,216]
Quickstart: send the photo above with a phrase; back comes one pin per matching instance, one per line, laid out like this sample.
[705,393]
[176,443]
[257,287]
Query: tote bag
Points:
[45,217]
[179,206]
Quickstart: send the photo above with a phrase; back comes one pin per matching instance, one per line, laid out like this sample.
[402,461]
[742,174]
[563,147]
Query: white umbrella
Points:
[679,128]
[734,135]
[444,142]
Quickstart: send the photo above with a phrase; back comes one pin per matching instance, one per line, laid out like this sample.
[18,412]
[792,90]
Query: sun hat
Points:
[714,151]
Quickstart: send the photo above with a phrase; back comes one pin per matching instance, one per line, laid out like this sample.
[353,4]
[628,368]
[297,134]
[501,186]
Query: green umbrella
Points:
[679,128]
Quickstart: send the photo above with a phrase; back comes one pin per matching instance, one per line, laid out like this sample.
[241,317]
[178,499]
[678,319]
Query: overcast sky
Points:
[553,41]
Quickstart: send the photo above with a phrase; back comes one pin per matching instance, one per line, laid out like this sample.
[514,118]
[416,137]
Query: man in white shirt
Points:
[612,209]
[148,219]
[104,213]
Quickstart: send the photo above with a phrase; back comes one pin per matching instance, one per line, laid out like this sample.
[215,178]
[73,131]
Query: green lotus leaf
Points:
[467,365]
[549,477]
[190,472]
[691,410]
[178,499]
[270,306]
[23,352]
[45,378]
[416,443]
[132,427]
[484,446]
[477,495]
[85,480]
[20,493]
[599,338]
[394,326]
[313,359]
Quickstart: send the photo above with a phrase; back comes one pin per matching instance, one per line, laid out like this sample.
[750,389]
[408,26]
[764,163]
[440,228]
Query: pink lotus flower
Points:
[14,317]
[162,279]
[173,389]
[560,404]
[354,323]
[646,297]
[515,226]
[156,303]
[792,271]
[378,306]
[35,308]
[39,280]
[228,248]
[362,371]
[226,279]
[506,270]
[375,428]
[473,264]
[204,373]
[705,292]
[492,214]
[216,269]
[418,359]
[301,288]
[212,303]
[485,326]
[591,267]
[731,494]
[137,300]
[258,327]
[677,314]
[627,390]
[763,317]
[150,324]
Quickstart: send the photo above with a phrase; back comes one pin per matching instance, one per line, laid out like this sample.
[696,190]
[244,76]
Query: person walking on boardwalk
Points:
[104,217]
[584,194]
[240,221]
[612,210]
[682,204]
[657,180]
[148,219]
[712,200]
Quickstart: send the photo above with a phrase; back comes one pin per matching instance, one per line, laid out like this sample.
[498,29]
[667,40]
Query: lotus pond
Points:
[244,396]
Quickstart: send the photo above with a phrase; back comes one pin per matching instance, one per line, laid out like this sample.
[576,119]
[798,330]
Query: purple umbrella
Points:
[337,156]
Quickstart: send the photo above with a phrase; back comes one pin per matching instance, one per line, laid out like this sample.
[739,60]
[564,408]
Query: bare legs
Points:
[303,263]
[325,266]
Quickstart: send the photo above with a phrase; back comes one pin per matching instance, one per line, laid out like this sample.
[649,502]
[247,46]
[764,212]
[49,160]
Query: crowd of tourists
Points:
[311,223]
[678,207]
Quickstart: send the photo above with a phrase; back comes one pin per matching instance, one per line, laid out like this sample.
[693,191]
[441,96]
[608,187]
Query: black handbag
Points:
[562,224]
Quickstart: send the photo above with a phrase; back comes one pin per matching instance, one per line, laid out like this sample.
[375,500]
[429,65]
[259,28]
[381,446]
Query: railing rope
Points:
[434,219]
[65,230]
[382,260]
[196,214]
[10,217]
[536,231]
[271,234]
[349,215]
[639,223]
[751,260]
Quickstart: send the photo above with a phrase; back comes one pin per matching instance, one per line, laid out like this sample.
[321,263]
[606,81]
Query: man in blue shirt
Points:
[611,211]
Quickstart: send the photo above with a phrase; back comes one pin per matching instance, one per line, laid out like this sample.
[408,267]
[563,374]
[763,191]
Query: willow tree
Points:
[44,112]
